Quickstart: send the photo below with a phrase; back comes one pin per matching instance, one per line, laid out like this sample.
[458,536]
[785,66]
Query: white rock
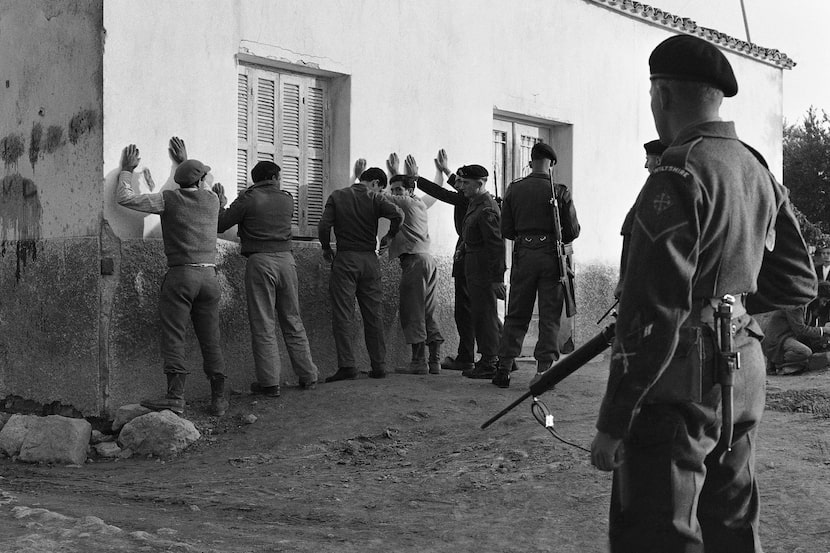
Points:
[13,432]
[162,434]
[126,413]
[250,418]
[56,439]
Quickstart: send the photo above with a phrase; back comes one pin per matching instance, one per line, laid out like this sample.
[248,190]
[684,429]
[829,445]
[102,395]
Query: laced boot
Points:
[343,373]
[502,376]
[218,398]
[485,368]
[418,365]
[434,356]
[174,400]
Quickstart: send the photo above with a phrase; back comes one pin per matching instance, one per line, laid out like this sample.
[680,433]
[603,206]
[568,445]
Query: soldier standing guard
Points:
[710,221]
[483,252]
[527,219]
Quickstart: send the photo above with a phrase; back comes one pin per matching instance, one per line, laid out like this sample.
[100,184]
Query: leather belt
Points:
[705,308]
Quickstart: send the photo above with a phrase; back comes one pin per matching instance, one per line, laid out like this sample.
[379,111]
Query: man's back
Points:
[353,212]
[413,236]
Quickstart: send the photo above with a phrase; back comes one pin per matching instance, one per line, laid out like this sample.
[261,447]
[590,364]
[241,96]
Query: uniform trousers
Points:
[419,279]
[483,303]
[357,274]
[535,272]
[678,489]
[271,292]
[190,293]
[464,322]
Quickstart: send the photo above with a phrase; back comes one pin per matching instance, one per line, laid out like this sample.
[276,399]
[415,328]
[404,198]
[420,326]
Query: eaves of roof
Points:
[656,16]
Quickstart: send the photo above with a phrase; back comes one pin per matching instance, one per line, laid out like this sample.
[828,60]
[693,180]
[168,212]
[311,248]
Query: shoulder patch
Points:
[664,203]
[672,169]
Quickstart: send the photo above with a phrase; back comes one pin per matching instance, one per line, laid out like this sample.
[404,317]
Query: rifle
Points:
[562,369]
[566,275]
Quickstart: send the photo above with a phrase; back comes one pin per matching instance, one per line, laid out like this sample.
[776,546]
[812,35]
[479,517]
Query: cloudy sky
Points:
[799,28]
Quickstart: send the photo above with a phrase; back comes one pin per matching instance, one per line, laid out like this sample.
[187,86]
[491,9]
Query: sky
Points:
[796,27]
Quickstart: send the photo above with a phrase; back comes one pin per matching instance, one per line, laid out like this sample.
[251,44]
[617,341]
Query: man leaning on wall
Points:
[263,214]
[190,290]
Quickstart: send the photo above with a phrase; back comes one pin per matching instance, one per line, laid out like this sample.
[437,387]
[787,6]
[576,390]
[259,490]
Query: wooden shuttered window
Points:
[283,117]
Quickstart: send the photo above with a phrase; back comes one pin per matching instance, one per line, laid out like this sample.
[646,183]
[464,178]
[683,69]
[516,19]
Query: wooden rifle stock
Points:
[562,369]
[566,275]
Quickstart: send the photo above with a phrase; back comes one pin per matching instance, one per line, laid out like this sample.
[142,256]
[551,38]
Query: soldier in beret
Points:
[527,219]
[710,221]
[654,149]
[482,248]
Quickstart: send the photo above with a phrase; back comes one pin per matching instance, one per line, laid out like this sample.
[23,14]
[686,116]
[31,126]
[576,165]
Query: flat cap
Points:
[190,171]
[688,58]
[654,148]
[473,172]
[541,150]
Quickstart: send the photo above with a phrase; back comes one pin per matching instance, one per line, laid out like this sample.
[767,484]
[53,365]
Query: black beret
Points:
[374,173]
[654,148]
[688,58]
[264,170]
[541,150]
[473,172]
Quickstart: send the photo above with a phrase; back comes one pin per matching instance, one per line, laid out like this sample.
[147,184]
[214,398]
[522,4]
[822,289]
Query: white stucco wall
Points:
[423,74]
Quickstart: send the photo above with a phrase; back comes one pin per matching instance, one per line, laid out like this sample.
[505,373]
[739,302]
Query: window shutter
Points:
[242,107]
[315,154]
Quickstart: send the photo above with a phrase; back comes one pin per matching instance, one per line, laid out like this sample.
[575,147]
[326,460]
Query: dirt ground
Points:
[400,465]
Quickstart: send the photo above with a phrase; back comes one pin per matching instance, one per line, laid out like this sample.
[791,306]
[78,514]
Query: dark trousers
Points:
[464,321]
[534,272]
[190,293]
[419,279]
[357,274]
[678,488]
[483,305]
[271,293]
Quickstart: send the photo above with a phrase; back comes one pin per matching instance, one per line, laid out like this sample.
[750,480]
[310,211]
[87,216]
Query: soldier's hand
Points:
[219,190]
[606,453]
[500,289]
[328,255]
[441,162]
[130,158]
[393,164]
[411,166]
[359,167]
[176,149]
[384,245]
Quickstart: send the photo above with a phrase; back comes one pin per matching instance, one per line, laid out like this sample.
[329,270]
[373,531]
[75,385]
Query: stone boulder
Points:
[56,439]
[163,434]
[14,431]
[126,413]
[4,418]
[107,450]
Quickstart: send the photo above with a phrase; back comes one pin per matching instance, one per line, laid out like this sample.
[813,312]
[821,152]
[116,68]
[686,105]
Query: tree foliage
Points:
[807,173]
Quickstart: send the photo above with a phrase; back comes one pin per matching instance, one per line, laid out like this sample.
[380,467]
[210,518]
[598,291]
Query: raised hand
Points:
[130,158]
[441,162]
[411,166]
[176,149]
[393,164]
[359,167]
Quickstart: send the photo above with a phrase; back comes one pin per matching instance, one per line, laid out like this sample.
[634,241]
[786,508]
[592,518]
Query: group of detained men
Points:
[192,214]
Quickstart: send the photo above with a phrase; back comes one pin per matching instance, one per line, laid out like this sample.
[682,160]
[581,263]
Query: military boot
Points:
[418,365]
[484,367]
[502,376]
[434,356]
[174,400]
[218,398]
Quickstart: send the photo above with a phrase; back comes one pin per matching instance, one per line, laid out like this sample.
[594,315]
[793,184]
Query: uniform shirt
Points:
[710,221]
[263,213]
[353,212]
[413,236]
[527,209]
[188,219]
[481,235]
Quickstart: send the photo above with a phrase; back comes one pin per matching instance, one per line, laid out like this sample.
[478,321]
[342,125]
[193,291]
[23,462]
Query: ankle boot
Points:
[418,365]
[218,399]
[174,400]
[434,357]
[502,376]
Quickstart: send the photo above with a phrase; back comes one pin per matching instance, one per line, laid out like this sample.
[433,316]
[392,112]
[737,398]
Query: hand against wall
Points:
[176,149]
[130,158]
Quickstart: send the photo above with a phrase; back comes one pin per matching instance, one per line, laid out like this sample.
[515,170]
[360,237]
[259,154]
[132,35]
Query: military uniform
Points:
[463,312]
[699,230]
[483,251]
[527,219]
